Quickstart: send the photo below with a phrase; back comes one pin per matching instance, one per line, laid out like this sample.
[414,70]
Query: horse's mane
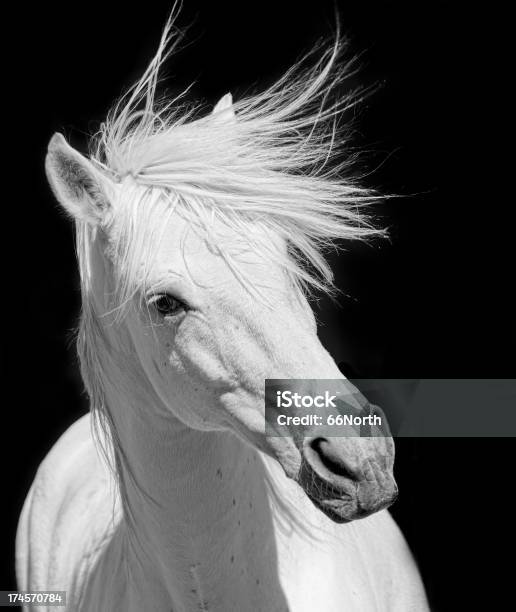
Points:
[278,166]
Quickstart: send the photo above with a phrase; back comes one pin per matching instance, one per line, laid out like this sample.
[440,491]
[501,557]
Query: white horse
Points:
[193,239]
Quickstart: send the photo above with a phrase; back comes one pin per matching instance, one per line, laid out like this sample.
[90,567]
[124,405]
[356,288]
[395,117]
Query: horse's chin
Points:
[355,500]
[339,510]
[347,508]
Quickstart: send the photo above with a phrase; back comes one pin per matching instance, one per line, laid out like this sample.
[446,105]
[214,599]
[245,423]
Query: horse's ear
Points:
[78,186]
[223,110]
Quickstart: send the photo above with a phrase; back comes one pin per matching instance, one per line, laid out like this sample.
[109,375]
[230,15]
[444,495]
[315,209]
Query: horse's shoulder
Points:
[72,467]
[68,512]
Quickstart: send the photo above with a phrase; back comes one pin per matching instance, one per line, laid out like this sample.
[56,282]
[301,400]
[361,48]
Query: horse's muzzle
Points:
[348,478]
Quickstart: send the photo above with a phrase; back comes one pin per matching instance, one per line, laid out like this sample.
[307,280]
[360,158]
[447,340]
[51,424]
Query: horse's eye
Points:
[166,304]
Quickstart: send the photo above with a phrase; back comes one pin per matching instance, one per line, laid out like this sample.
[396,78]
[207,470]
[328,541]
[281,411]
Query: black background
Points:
[435,301]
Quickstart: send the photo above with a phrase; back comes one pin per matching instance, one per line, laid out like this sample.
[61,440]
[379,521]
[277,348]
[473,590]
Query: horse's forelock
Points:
[276,165]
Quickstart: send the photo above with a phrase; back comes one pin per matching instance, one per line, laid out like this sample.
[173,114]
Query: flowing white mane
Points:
[272,167]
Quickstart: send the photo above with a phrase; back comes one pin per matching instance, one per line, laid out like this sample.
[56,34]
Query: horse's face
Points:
[206,343]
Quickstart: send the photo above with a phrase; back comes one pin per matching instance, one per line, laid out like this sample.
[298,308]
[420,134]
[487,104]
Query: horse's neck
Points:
[204,520]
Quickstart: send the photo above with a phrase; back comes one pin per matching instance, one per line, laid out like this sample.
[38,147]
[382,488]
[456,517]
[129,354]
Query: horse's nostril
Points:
[330,457]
